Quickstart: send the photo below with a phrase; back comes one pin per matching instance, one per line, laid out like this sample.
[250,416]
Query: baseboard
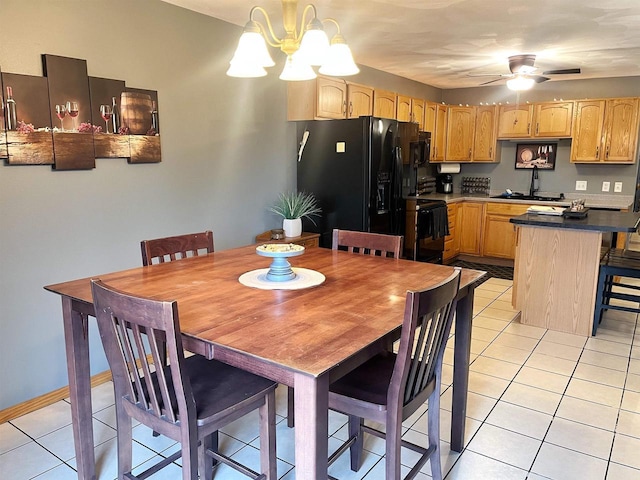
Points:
[47,399]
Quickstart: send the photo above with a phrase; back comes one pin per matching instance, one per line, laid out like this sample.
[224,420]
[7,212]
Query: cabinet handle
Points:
[344,107]
[350,108]
[606,154]
[598,152]
[529,128]
[537,128]
[490,152]
[469,154]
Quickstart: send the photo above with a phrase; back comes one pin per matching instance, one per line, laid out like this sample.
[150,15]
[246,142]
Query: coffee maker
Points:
[444,183]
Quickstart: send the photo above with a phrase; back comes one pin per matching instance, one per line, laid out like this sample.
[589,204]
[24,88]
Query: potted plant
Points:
[292,207]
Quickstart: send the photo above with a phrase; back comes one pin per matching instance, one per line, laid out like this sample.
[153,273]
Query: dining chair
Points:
[617,265]
[361,243]
[390,387]
[175,248]
[366,243]
[187,400]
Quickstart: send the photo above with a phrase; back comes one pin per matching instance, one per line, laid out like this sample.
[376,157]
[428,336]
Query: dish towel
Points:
[433,221]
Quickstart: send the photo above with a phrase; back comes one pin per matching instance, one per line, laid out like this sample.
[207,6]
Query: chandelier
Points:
[305,47]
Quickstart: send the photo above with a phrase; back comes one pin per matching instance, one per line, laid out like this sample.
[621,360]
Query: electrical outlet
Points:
[581,184]
[606,186]
[617,187]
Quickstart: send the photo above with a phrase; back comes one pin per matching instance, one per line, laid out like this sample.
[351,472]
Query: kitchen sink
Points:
[529,198]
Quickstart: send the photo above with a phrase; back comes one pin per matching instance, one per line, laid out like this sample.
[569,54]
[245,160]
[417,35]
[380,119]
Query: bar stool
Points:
[616,263]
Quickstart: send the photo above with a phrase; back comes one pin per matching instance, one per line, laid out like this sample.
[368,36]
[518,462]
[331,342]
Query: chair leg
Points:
[433,428]
[290,408]
[268,462]
[392,448]
[205,462]
[600,293]
[355,450]
[190,451]
[124,439]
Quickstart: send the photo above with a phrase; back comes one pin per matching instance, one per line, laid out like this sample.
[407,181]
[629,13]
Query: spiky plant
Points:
[296,205]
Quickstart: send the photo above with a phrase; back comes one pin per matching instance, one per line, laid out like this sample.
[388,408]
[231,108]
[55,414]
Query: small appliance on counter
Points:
[444,183]
[479,185]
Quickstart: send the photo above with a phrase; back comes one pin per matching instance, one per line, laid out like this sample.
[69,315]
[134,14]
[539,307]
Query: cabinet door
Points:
[360,100]
[553,119]
[587,131]
[485,137]
[621,130]
[470,231]
[439,140]
[417,113]
[460,129]
[384,104]
[452,241]
[403,108]
[430,109]
[332,98]
[515,121]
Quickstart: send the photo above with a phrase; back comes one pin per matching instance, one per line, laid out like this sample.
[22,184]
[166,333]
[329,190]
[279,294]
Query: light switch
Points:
[581,184]
[606,186]
[340,147]
[617,187]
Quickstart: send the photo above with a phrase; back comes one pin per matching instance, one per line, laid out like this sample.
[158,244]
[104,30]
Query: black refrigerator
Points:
[354,168]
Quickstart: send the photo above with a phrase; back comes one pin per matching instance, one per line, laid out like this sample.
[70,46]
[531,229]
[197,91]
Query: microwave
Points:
[420,150]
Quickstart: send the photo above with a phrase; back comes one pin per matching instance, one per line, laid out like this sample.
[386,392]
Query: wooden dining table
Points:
[303,338]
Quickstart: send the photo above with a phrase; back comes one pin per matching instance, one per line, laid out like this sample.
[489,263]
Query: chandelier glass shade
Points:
[304,48]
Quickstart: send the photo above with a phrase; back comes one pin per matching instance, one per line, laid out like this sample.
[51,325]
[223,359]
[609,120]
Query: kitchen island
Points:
[556,266]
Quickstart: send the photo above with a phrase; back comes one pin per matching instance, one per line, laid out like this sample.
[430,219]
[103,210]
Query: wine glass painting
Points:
[105,113]
[541,155]
[73,110]
[61,112]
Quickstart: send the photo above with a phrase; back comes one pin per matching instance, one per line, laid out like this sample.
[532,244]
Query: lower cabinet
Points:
[499,236]
[452,241]
[470,216]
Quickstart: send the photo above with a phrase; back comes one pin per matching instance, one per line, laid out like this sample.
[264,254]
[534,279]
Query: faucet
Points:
[535,186]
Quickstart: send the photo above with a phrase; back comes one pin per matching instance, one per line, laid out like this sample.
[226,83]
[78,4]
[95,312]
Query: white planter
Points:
[292,227]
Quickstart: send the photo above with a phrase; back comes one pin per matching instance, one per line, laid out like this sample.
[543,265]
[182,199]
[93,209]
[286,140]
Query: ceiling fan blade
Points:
[539,78]
[489,75]
[491,81]
[564,71]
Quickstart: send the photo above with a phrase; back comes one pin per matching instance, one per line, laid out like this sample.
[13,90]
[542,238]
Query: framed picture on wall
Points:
[541,155]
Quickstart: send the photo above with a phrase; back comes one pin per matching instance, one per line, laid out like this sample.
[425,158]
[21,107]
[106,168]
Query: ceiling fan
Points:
[522,73]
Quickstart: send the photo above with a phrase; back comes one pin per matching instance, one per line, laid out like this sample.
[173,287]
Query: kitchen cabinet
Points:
[384,104]
[410,109]
[471,215]
[486,134]
[499,236]
[452,241]
[316,99]
[331,99]
[430,110]
[461,124]
[417,113]
[359,100]
[605,131]
[553,119]
[514,121]
[439,138]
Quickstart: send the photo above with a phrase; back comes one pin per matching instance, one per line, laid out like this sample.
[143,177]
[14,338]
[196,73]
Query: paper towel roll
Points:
[448,168]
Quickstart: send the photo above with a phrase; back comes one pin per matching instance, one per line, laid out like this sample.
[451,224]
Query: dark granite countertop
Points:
[596,220]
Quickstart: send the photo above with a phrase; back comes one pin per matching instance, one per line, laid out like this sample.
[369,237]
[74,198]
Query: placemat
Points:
[305,278]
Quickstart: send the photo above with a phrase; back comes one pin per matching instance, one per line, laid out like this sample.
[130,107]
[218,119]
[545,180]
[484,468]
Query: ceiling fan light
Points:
[295,70]
[252,48]
[339,62]
[520,83]
[315,44]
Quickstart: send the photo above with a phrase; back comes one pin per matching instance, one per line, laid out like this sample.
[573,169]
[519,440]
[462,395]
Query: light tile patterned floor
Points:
[542,405]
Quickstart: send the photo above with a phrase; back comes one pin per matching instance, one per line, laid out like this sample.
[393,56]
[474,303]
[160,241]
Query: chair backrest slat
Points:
[425,330]
[176,248]
[137,333]
[365,243]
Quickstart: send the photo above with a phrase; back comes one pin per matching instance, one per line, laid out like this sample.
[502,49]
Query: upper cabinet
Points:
[605,131]
[485,137]
[439,135]
[384,104]
[360,100]
[515,121]
[553,119]
[318,98]
[430,110]
[410,109]
[540,120]
[461,124]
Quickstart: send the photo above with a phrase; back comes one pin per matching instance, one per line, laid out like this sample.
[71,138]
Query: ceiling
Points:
[439,42]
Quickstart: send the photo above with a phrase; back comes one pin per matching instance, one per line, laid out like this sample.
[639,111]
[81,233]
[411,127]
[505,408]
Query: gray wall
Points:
[563,178]
[227,150]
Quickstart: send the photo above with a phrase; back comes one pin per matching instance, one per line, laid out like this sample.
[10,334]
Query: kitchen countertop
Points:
[596,220]
[614,202]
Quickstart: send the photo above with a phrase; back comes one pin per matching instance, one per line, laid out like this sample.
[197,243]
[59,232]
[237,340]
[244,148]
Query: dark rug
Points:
[497,271]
